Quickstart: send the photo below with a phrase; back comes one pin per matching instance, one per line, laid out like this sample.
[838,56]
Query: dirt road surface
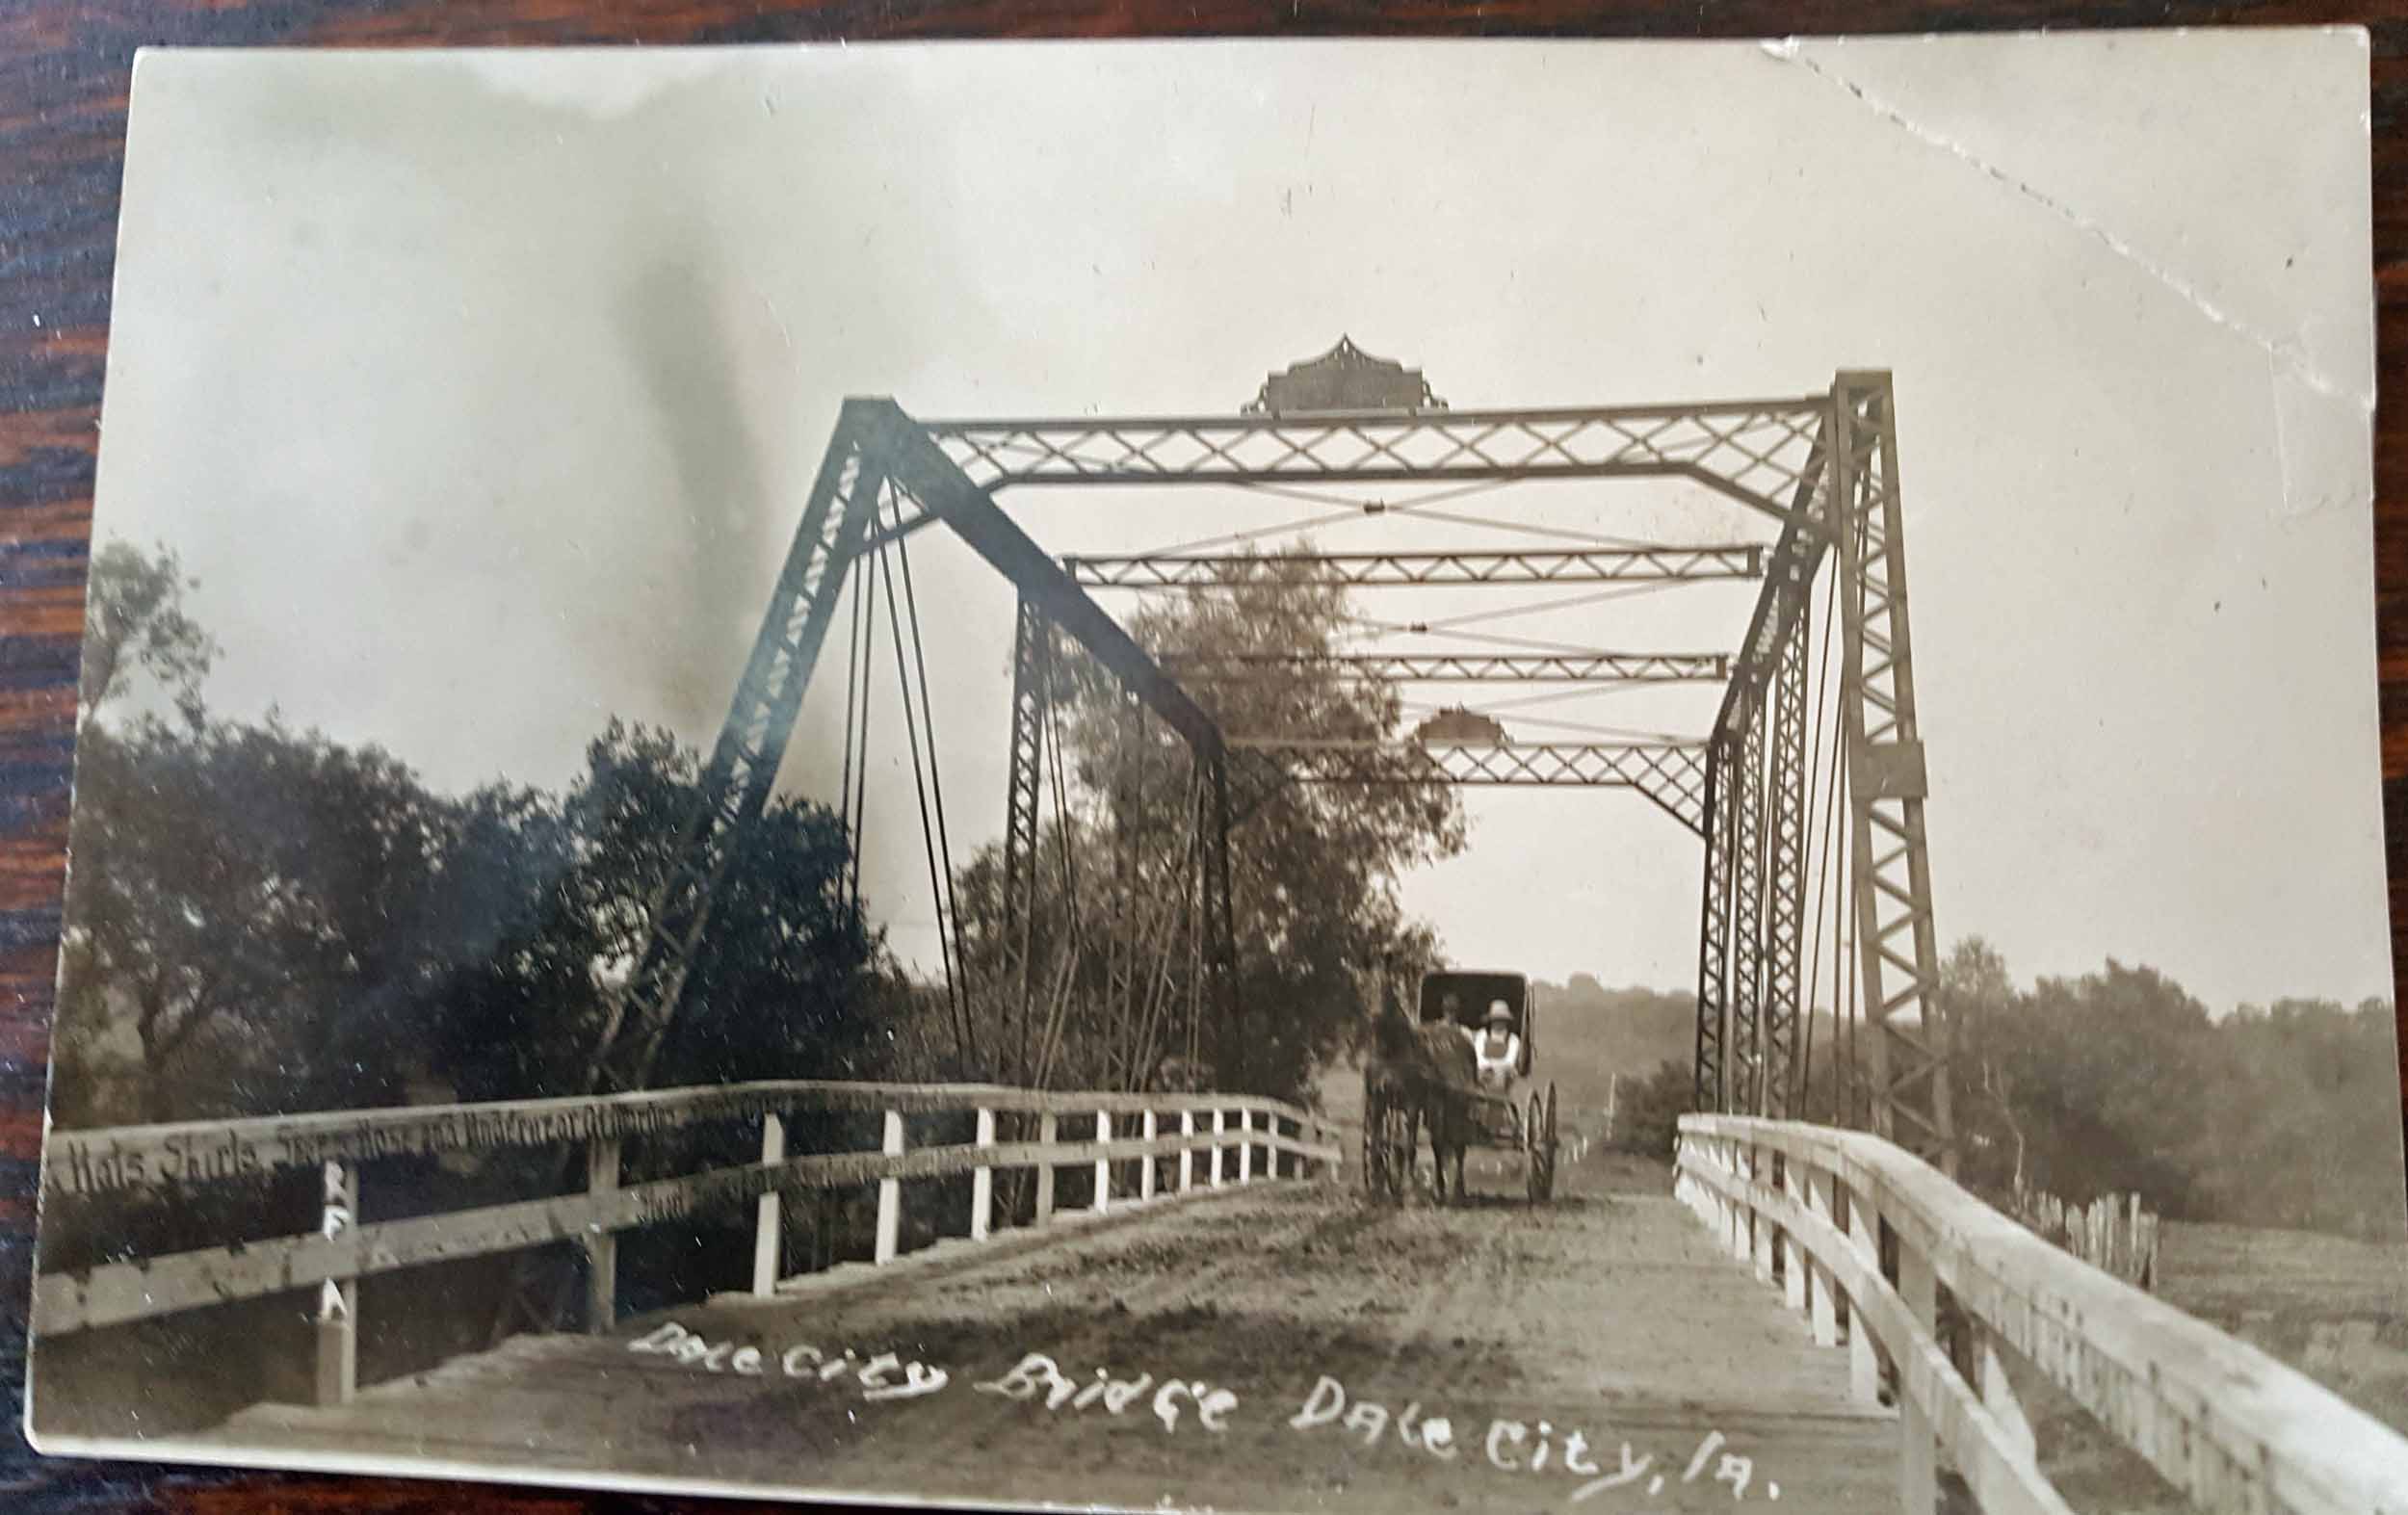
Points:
[1595,1355]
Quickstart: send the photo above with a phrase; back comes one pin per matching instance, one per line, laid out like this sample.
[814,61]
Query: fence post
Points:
[1245,1146]
[890,1193]
[1103,1165]
[1820,1303]
[1864,1364]
[769,1230]
[1220,1124]
[1793,1253]
[1759,1175]
[1046,1132]
[983,1181]
[1145,1169]
[338,1304]
[1918,1486]
[1742,1218]
[601,1246]
[1187,1158]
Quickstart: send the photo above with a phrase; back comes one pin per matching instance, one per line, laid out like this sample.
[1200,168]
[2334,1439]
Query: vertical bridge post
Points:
[1047,1129]
[601,1248]
[768,1222]
[338,1304]
[1146,1171]
[983,1181]
[890,1193]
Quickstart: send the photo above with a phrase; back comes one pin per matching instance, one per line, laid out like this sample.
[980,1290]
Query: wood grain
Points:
[64,70]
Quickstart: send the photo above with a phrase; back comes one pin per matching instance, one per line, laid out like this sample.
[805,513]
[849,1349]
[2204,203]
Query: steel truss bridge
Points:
[1825,466]
[1905,1301]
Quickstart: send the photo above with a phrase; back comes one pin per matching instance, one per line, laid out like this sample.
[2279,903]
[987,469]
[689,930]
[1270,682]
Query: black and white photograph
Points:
[1337,776]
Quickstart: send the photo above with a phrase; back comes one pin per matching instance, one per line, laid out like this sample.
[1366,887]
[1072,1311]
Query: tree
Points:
[134,619]
[1977,1000]
[256,889]
[784,978]
[1313,866]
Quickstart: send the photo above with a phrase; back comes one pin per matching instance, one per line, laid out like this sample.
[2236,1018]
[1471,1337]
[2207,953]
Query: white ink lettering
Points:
[1327,1401]
[1498,1431]
[1367,1418]
[1735,1471]
[1628,1471]
[1705,1449]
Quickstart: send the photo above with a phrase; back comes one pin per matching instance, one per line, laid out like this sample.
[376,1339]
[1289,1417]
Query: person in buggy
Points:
[1498,1047]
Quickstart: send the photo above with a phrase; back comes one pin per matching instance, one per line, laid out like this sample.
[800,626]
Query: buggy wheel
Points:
[1374,1138]
[1548,1147]
[1534,1181]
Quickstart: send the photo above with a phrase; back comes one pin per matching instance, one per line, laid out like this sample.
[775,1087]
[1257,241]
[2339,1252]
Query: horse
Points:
[1432,1070]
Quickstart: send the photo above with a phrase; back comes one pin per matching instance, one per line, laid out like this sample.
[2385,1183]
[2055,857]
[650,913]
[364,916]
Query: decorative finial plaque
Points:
[1345,378]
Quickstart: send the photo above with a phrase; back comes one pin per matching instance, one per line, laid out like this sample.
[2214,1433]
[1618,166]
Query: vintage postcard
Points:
[1246,776]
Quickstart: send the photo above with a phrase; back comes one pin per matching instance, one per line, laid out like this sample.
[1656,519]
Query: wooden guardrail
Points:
[2226,1425]
[1227,1131]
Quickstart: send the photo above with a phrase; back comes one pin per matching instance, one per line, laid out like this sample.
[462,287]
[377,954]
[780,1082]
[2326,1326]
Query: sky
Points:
[482,392]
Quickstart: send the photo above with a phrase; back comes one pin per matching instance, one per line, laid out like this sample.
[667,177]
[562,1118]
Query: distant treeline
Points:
[2120,1082]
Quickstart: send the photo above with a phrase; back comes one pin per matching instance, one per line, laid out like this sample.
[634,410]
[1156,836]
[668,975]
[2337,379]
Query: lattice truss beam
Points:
[1419,569]
[1466,668]
[1672,773]
[1753,451]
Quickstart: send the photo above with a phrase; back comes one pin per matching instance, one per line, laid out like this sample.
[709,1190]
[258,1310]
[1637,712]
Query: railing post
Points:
[1220,1125]
[1864,1364]
[1759,1173]
[1145,1169]
[1739,1220]
[601,1247]
[1245,1146]
[1103,1165]
[768,1231]
[983,1181]
[1046,1133]
[338,1304]
[1918,1485]
[1793,1253]
[890,1193]
[1820,1304]
[1187,1158]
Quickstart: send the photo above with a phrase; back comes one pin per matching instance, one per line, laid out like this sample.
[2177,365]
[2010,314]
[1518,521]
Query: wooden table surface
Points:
[64,72]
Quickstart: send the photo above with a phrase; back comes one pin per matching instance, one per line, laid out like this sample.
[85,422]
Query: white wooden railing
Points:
[2226,1425]
[1238,1137]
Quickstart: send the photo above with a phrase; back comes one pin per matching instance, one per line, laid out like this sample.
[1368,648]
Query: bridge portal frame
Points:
[1823,465]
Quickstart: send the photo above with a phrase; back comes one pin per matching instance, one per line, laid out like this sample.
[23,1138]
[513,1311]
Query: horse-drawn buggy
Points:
[1460,1065]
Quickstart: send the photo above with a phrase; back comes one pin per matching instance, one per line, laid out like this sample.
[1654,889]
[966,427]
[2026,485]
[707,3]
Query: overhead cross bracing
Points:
[1467,667]
[1419,569]
[1753,451]
[1672,773]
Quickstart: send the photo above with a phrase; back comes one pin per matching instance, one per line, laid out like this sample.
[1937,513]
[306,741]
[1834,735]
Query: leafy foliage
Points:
[1313,904]
[262,919]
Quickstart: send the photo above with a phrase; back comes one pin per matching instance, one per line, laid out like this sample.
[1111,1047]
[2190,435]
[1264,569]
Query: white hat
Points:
[1497,1011]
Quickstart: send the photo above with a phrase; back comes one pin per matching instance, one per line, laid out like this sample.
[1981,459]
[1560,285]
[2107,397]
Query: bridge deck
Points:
[1610,1314]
